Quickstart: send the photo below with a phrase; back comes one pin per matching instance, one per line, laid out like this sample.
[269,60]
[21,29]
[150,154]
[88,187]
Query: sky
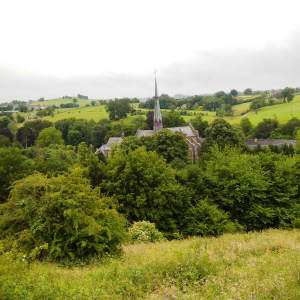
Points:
[110,48]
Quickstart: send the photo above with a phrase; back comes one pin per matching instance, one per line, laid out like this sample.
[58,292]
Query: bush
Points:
[144,231]
[206,219]
[60,218]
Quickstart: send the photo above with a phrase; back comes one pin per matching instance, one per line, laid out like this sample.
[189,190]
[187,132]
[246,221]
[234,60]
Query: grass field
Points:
[282,112]
[242,266]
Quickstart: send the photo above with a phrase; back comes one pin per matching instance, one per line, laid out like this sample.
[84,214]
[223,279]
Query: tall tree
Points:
[50,136]
[146,188]
[234,92]
[200,125]
[248,91]
[173,119]
[220,132]
[118,110]
[25,136]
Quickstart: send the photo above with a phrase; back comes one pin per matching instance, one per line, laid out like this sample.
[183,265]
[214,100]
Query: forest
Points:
[57,194]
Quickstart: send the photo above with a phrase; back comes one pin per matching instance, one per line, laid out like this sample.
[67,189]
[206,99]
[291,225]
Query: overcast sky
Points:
[107,49]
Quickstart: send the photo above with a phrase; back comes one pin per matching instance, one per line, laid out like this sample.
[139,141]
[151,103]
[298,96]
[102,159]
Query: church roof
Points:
[114,140]
[141,133]
[185,130]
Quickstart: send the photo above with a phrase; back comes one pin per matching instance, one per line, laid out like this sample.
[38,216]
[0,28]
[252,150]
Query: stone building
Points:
[191,135]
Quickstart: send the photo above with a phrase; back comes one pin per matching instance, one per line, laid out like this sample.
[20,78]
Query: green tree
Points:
[74,137]
[170,145]
[23,108]
[13,166]
[196,106]
[99,132]
[63,126]
[25,136]
[297,147]
[146,188]
[200,125]
[248,91]
[289,127]
[118,110]
[220,132]
[38,125]
[4,141]
[246,126]
[220,94]
[234,92]
[264,128]
[173,119]
[4,122]
[50,136]
[205,219]
[20,119]
[7,133]
[93,102]
[288,94]
[60,217]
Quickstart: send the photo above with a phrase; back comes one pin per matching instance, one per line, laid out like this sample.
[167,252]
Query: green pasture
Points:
[58,101]
[282,112]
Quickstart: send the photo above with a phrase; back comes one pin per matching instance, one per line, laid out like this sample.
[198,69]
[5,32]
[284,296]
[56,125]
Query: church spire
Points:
[157,120]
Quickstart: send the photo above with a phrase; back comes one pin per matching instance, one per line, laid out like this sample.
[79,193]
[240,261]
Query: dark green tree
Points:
[264,128]
[38,125]
[74,137]
[246,126]
[13,166]
[146,188]
[248,91]
[118,110]
[7,133]
[25,136]
[200,125]
[234,92]
[173,119]
[223,134]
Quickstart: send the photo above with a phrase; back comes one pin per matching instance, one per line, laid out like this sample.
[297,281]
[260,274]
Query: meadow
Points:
[252,265]
[281,111]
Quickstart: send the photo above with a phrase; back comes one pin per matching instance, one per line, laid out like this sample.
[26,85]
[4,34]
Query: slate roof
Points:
[140,133]
[186,130]
[266,143]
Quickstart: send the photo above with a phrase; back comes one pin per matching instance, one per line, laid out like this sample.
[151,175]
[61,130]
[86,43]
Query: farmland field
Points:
[281,111]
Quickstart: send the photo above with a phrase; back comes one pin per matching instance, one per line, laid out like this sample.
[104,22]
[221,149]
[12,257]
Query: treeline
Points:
[270,128]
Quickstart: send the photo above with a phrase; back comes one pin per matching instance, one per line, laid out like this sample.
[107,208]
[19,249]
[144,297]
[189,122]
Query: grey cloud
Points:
[275,66]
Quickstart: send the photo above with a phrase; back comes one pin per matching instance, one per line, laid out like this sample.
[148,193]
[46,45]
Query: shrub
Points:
[144,231]
[206,219]
[60,217]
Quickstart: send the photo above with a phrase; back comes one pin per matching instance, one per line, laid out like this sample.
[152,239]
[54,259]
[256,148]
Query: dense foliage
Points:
[149,179]
[60,217]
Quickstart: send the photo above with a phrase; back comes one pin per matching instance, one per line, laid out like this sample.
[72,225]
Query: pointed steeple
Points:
[157,120]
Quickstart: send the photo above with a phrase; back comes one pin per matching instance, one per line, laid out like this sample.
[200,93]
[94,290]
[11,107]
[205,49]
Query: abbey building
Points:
[191,135]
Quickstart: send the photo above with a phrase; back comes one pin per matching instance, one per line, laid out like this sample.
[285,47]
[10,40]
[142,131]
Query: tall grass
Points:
[242,266]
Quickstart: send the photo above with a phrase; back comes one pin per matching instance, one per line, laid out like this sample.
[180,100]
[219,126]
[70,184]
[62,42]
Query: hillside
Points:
[241,266]
[282,111]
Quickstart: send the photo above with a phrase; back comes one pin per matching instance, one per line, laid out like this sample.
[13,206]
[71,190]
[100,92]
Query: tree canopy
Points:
[50,136]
